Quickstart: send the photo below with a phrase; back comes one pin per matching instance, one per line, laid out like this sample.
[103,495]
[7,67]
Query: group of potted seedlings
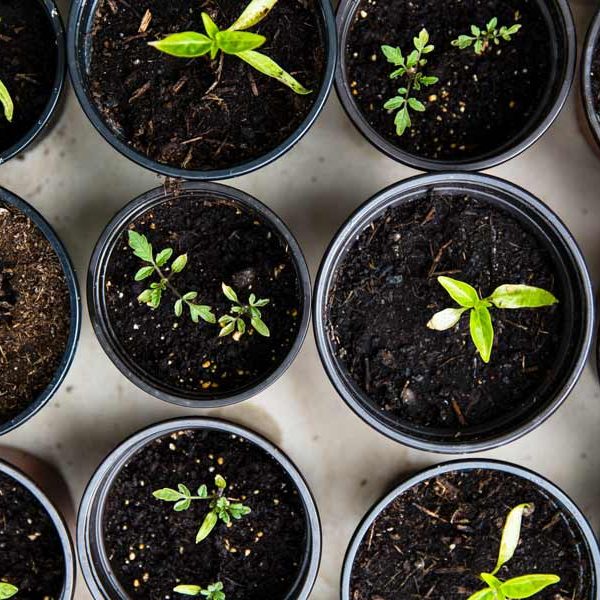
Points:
[453,312]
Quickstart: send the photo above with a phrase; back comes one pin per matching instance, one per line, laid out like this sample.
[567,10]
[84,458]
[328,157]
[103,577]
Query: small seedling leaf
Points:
[260,327]
[253,14]
[164,256]
[140,245]
[527,585]
[209,26]
[187,44]
[179,308]
[190,296]
[179,263]
[220,482]
[462,293]
[510,534]
[182,505]
[446,319]
[7,102]
[233,42]
[482,332]
[393,55]
[144,273]
[521,296]
[188,590]
[207,526]
[167,494]
[229,293]
[416,105]
[486,594]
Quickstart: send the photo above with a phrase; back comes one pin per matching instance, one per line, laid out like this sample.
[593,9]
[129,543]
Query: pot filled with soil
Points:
[454,85]
[590,79]
[32,71]
[36,555]
[198,507]
[473,530]
[199,294]
[40,311]
[453,312]
[202,90]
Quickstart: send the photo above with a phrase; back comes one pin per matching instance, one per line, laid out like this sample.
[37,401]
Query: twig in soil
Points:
[438,257]
[459,415]
[217,80]
[145,22]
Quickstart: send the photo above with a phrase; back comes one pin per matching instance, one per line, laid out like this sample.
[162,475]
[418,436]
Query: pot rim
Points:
[589,47]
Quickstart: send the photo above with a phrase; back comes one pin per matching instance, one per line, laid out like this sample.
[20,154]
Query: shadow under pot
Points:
[200,295]
[449,521]
[198,503]
[32,71]
[590,79]
[490,367]
[40,311]
[184,110]
[36,554]
[462,85]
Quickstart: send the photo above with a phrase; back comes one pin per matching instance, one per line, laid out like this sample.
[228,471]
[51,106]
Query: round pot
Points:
[57,521]
[59,80]
[97,299]
[589,49]
[75,306]
[565,45]
[79,51]
[469,465]
[92,554]
[571,269]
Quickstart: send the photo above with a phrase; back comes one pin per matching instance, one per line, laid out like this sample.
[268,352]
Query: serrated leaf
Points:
[446,319]
[199,311]
[179,263]
[188,590]
[475,30]
[462,293]
[140,245]
[167,495]
[521,296]
[210,520]
[482,332]
[253,14]
[393,55]
[510,534]
[7,590]
[260,327]
[8,105]
[234,42]
[164,256]
[187,44]
[144,273]
[527,586]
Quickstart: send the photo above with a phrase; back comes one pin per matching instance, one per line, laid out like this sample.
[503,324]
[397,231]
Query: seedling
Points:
[524,586]
[235,322]
[220,507]
[212,592]
[234,40]
[483,39]
[482,331]
[410,68]
[6,101]
[156,265]
[7,590]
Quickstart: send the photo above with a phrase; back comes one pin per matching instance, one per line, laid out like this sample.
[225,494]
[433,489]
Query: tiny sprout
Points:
[220,507]
[233,40]
[6,101]
[482,39]
[152,296]
[213,592]
[230,323]
[482,331]
[411,69]
[524,586]
[7,590]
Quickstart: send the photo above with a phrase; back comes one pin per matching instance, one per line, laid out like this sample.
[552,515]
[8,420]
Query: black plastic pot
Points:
[92,555]
[79,51]
[57,521]
[578,309]
[59,81]
[469,465]
[565,46]
[97,302]
[75,306]
[589,49]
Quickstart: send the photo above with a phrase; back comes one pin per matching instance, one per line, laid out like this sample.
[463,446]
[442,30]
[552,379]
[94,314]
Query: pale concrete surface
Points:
[77,181]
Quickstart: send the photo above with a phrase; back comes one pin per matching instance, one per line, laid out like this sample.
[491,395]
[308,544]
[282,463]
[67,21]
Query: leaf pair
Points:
[230,323]
[212,592]
[7,590]
[481,40]
[9,107]
[511,296]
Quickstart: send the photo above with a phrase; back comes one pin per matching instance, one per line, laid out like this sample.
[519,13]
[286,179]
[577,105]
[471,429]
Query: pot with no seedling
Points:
[32,71]
[202,91]
[473,530]
[454,85]
[40,311]
[198,507]
[199,294]
[590,79]
[437,364]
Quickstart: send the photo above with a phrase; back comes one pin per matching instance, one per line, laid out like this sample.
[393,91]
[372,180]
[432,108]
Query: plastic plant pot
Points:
[544,485]
[587,94]
[564,44]
[578,306]
[97,304]
[79,56]
[74,303]
[92,554]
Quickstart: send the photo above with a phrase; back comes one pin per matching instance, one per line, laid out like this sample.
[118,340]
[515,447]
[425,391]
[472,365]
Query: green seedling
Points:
[524,586]
[234,41]
[234,323]
[212,592]
[486,38]
[7,590]
[482,331]
[6,101]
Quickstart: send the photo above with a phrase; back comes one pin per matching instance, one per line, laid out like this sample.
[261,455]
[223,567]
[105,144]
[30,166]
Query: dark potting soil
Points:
[202,114]
[480,102]
[223,244]
[435,539]
[595,79]
[386,290]
[27,65]
[152,548]
[34,312]
[31,554]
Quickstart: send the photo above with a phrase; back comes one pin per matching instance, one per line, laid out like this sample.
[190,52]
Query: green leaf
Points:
[521,296]
[199,311]
[412,59]
[475,30]
[167,494]
[190,296]
[492,24]
[429,80]
[262,302]
[260,327]
[394,103]
[421,41]
[7,590]
[179,308]
[393,55]
[209,26]
[462,293]
[253,14]
[402,121]
[188,44]
[229,293]
[510,534]
[491,580]
[145,297]
[446,319]
[203,491]
[183,489]
[416,105]
[482,333]
[527,585]
[140,245]
[207,526]
[233,42]
[241,326]
[164,256]
[479,47]
[486,594]
[463,41]
[155,298]
[179,263]
[227,329]
[220,482]
[182,505]
[188,590]
[144,273]
[9,108]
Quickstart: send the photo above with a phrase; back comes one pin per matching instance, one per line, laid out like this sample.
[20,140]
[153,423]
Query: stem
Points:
[166,280]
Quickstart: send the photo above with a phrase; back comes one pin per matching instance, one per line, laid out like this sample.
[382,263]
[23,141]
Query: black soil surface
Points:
[31,554]
[480,102]
[27,65]
[152,548]
[435,539]
[224,244]
[386,290]
[201,114]
[595,78]
[34,312]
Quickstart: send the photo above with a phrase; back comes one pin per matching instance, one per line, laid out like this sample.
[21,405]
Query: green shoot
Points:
[234,323]
[524,586]
[410,68]
[482,331]
[212,592]
[234,41]
[483,39]
[6,101]
[220,507]
[7,590]
[156,265]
